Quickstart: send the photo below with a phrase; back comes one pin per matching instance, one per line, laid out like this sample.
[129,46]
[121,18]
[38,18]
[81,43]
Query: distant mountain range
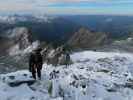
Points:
[44,28]
[115,26]
[59,29]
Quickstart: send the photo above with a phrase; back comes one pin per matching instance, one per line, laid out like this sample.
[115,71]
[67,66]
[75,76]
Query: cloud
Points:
[67,6]
[76,1]
[47,2]
[83,3]
[87,1]
[16,5]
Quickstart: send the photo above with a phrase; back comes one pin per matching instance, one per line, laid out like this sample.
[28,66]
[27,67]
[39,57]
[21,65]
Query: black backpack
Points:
[35,58]
[38,58]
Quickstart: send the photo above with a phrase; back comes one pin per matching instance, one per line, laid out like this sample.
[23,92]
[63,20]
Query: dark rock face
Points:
[21,36]
[14,81]
[5,44]
[55,56]
[52,56]
[87,39]
[16,84]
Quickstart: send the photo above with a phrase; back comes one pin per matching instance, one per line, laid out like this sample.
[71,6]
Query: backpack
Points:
[37,58]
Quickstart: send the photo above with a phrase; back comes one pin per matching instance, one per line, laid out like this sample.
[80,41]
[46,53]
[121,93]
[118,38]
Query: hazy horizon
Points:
[68,7]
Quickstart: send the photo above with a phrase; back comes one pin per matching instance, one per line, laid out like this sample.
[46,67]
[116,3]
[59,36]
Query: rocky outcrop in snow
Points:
[22,41]
[16,39]
[21,36]
[55,56]
[84,38]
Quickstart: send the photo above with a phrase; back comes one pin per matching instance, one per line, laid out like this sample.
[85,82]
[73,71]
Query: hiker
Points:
[64,58]
[68,59]
[35,63]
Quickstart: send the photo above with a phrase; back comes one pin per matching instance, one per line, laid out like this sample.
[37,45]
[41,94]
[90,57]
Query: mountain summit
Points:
[84,38]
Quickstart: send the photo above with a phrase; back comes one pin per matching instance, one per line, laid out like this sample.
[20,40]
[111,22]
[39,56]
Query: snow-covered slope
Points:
[92,76]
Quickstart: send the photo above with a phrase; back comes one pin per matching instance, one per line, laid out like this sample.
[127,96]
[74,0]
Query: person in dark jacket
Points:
[68,59]
[35,63]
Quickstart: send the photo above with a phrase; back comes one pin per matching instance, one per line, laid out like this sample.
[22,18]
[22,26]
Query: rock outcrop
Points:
[5,43]
[21,36]
[84,38]
[56,56]
[18,38]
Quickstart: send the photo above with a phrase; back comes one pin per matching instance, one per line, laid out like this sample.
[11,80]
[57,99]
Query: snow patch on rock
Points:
[15,50]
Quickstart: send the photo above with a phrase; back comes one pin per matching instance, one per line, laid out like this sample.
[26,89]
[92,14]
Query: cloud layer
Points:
[68,6]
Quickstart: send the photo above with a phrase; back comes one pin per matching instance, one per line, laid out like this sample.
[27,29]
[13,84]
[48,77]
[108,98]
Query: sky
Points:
[83,7]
